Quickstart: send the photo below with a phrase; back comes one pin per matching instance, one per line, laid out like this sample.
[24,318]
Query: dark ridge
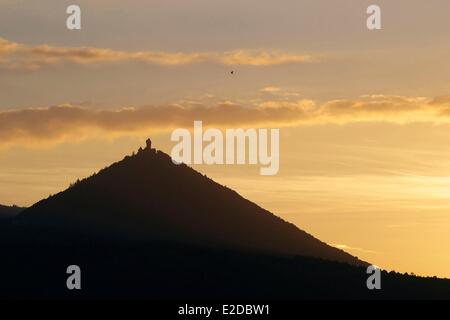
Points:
[35,259]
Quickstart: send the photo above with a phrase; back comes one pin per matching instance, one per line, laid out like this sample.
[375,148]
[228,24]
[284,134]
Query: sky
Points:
[364,116]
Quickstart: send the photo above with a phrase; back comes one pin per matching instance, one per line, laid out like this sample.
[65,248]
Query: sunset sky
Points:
[364,116]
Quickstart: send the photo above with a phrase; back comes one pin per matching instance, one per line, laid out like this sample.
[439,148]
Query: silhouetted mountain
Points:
[146,228]
[147,195]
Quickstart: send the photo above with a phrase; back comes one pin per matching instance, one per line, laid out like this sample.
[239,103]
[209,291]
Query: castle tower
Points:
[149,144]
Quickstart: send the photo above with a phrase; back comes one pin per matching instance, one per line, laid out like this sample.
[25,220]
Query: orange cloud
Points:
[54,123]
[14,55]
[57,122]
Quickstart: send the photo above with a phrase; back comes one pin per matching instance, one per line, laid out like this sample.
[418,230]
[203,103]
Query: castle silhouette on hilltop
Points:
[148,147]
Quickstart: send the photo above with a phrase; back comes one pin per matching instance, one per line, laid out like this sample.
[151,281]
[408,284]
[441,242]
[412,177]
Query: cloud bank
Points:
[38,125]
[19,56]
[59,122]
